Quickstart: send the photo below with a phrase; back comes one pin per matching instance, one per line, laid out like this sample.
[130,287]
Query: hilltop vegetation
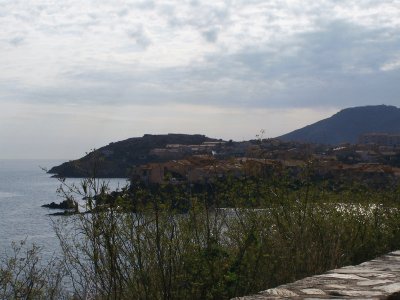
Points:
[117,159]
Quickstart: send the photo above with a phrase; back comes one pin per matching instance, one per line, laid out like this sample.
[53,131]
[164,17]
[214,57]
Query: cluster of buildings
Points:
[177,151]
[218,149]
[199,169]
[177,163]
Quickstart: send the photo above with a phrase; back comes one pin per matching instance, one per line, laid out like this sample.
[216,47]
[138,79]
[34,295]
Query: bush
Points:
[23,275]
[141,245]
[229,238]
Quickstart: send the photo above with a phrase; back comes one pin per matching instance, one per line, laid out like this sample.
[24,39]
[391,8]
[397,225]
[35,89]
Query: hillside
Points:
[116,159]
[348,124]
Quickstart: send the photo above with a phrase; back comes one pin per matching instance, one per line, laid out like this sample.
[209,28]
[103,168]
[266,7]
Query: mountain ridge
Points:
[348,124]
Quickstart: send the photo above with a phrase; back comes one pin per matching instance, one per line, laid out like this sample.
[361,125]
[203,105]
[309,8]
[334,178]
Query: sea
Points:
[24,187]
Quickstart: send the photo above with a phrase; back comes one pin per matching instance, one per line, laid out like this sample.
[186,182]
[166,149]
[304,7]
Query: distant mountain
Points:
[348,124]
[116,159]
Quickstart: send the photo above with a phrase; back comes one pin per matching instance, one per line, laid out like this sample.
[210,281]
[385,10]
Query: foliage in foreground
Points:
[24,276]
[140,245]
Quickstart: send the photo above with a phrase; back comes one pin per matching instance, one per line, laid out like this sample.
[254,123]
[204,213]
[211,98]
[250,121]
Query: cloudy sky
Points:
[76,75]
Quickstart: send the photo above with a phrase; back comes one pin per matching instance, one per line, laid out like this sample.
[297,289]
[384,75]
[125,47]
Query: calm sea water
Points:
[24,187]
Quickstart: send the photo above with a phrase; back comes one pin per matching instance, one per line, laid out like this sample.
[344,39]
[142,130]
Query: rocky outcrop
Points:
[68,204]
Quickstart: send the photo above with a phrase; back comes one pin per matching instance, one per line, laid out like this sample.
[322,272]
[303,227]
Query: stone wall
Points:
[375,279]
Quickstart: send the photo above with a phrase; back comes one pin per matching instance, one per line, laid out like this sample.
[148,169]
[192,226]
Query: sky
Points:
[77,75]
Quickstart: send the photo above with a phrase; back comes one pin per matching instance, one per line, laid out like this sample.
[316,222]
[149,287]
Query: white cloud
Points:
[140,37]
[373,14]
[61,37]
[391,65]
[246,54]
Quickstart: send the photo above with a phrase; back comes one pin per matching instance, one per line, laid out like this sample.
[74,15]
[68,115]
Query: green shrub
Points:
[225,239]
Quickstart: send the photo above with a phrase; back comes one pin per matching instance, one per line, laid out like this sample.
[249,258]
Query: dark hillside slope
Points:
[348,124]
[116,159]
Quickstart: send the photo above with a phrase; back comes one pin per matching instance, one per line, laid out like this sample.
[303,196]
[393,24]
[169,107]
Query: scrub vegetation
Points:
[227,238]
